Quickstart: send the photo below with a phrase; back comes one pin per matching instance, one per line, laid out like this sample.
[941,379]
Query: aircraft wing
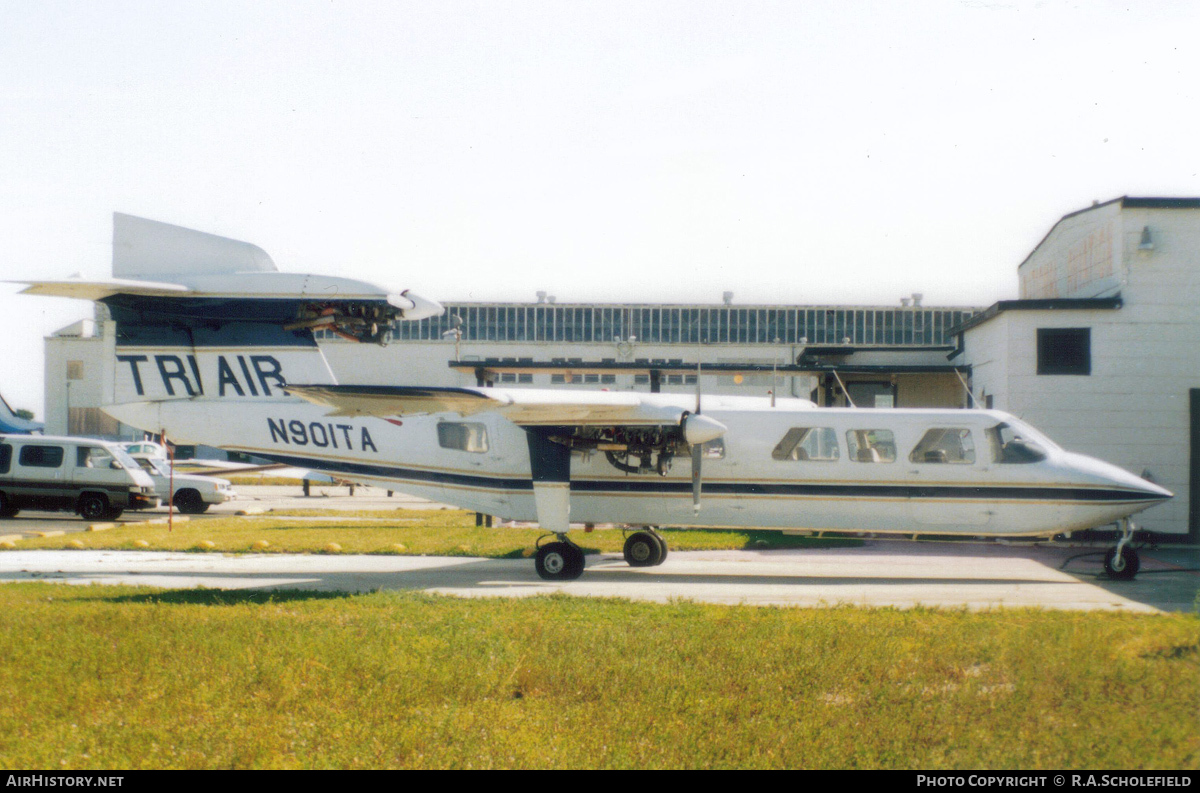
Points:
[526,407]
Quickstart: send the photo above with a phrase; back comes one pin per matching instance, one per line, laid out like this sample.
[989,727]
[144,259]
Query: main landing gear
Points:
[559,561]
[562,560]
[645,549]
[1121,562]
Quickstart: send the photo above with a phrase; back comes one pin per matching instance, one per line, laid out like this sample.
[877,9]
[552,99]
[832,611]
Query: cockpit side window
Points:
[1010,447]
[951,445]
[816,444]
[871,446]
[463,436]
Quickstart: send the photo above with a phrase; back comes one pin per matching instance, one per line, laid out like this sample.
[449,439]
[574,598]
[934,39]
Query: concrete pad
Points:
[889,574]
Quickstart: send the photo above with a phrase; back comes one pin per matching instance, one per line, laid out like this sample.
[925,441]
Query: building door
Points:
[872,394]
[1194,468]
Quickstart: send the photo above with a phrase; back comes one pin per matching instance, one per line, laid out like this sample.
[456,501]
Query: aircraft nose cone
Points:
[1153,490]
[1124,480]
[702,429]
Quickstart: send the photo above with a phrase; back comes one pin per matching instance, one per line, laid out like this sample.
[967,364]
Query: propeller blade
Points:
[697,456]
[697,386]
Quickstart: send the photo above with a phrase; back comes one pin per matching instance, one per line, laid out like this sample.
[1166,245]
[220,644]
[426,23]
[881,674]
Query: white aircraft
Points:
[243,373]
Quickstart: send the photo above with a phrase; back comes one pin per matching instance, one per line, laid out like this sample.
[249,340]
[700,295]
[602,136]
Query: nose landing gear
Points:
[1121,562]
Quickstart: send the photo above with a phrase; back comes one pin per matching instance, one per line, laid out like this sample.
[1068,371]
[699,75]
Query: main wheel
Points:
[662,545]
[7,510]
[642,549]
[559,561]
[92,506]
[189,502]
[1123,567]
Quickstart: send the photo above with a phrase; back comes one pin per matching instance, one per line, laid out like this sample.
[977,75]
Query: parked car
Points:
[96,479]
[193,493]
[148,448]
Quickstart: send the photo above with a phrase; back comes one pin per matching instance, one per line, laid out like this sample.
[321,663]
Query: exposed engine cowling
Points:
[361,321]
[645,450]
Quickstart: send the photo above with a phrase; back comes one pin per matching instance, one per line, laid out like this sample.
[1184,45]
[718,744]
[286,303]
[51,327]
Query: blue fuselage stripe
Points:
[659,486]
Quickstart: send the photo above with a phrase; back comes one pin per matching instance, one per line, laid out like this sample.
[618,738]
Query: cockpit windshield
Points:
[1016,442]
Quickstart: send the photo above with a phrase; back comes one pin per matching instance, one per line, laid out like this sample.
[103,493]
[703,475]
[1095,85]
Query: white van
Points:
[98,480]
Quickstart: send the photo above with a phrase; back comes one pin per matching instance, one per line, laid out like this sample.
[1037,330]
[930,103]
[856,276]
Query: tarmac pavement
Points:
[881,573]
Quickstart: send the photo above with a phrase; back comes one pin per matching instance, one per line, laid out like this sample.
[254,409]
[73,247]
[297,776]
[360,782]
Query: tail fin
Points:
[148,250]
[11,423]
[202,317]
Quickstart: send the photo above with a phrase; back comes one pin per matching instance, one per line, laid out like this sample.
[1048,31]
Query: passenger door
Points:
[944,469]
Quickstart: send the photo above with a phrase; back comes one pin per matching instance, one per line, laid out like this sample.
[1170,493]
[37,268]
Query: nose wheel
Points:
[1121,562]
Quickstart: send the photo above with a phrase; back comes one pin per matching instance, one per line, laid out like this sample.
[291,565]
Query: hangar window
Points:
[41,456]
[945,445]
[463,437]
[1064,351]
[871,446]
[817,444]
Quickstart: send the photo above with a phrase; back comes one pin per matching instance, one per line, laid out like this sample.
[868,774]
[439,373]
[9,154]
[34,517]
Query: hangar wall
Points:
[1132,407]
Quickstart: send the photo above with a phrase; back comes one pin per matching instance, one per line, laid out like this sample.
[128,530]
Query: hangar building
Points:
[1102,350]
[871,355]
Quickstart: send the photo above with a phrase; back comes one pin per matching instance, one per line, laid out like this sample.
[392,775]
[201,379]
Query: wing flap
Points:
[526,407]
[386,401]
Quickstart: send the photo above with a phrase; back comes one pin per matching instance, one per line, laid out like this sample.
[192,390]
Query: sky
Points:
[790,152]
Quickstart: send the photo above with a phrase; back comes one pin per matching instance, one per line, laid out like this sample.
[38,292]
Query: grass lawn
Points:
[429,532]
[127,677]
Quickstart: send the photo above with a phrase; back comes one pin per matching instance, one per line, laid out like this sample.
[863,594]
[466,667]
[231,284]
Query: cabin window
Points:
[817,444]
[871,446]
[945,445]
[1008,446]
[713,450]
[41,456]
[1064,351]
[5,458]
[463,437]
